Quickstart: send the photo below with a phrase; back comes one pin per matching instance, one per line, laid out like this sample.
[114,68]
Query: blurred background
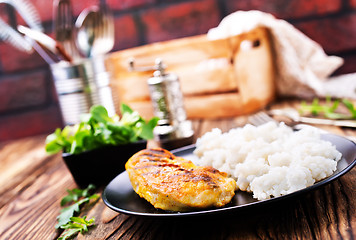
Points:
[28,103]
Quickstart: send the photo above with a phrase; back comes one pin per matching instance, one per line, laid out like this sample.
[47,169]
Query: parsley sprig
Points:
[73,202]
[98,129]
[75,226]
[330,109]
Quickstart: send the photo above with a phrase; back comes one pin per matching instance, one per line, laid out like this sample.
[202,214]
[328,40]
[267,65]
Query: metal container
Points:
[81,85]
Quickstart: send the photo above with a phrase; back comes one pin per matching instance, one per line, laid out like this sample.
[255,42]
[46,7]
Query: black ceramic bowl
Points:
[101,165]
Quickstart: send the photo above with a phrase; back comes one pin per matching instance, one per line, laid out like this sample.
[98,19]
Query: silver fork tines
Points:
[64,27]
[293,114]
[260,118]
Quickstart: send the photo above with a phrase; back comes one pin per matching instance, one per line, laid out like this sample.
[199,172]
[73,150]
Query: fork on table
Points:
[262,117]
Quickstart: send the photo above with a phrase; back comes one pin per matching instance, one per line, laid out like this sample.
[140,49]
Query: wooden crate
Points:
[219,78]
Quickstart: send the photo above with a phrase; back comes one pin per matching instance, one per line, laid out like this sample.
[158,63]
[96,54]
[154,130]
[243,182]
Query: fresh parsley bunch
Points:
[98,129]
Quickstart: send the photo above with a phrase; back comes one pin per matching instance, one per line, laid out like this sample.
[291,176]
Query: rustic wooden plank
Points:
[33,204]
[32,215]
[103,228]
[12,190]
[22,161]
[295,219]
[309,218]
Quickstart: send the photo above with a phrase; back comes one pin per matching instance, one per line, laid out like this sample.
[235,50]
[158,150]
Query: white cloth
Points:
[303,67]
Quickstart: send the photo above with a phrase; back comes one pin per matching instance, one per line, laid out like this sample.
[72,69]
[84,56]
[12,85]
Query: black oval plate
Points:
[120,196]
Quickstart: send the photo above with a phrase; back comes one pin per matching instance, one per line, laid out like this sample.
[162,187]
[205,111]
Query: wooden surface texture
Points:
[32,184]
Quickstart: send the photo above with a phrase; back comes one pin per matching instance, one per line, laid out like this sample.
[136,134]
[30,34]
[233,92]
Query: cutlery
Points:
[49,43]
[43,53]
[107,35]
[262,117]
[86,25]
[64,27]
[11,36]
[95,31]
[294,115]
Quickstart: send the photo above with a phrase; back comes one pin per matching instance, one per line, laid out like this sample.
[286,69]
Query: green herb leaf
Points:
[68,212]
[125,109]
[100,114]
[147,128]
[77,197]
[54,142]
[76,193]
[86,191]
[66,220]
[75,226]
[98,129]
[329,109]
[350,107]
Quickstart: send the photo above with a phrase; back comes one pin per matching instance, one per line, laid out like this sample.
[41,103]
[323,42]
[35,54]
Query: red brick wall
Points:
[28,104]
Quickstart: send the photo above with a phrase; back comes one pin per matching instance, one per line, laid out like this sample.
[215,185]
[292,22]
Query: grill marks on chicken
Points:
[176,184]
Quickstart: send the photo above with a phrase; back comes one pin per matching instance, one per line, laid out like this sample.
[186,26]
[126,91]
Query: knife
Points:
[45,40]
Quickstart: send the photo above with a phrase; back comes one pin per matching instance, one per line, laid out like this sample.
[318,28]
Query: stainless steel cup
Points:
[81,85]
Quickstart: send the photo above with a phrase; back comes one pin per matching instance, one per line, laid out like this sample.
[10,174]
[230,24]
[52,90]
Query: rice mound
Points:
[269,160]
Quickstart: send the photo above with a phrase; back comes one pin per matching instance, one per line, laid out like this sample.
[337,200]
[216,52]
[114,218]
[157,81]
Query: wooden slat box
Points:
[219,78]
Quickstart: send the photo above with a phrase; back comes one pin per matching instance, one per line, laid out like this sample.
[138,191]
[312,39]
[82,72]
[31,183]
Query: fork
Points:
[64,27]
[262,117]
[293,114]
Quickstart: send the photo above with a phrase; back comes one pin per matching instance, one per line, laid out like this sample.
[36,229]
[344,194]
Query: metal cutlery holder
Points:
[81,85]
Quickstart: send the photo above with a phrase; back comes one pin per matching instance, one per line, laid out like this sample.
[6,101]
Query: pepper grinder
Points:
[173,129]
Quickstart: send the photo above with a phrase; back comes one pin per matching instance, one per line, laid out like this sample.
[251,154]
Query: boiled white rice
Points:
[269,160]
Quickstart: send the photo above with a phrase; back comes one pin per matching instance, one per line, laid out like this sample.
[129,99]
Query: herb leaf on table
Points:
[77,197]
[330,109]
[76,193]
[68,212]
[67,219]
[75,226]
[350,107]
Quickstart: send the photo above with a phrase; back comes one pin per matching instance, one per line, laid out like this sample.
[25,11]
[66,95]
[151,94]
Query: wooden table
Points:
[32,184]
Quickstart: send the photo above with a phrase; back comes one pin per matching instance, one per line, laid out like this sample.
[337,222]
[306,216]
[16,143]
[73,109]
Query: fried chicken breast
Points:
[176,184]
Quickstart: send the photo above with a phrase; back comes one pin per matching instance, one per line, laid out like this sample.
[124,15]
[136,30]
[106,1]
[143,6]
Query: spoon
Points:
[86,25]
[95,31]
[107,35]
